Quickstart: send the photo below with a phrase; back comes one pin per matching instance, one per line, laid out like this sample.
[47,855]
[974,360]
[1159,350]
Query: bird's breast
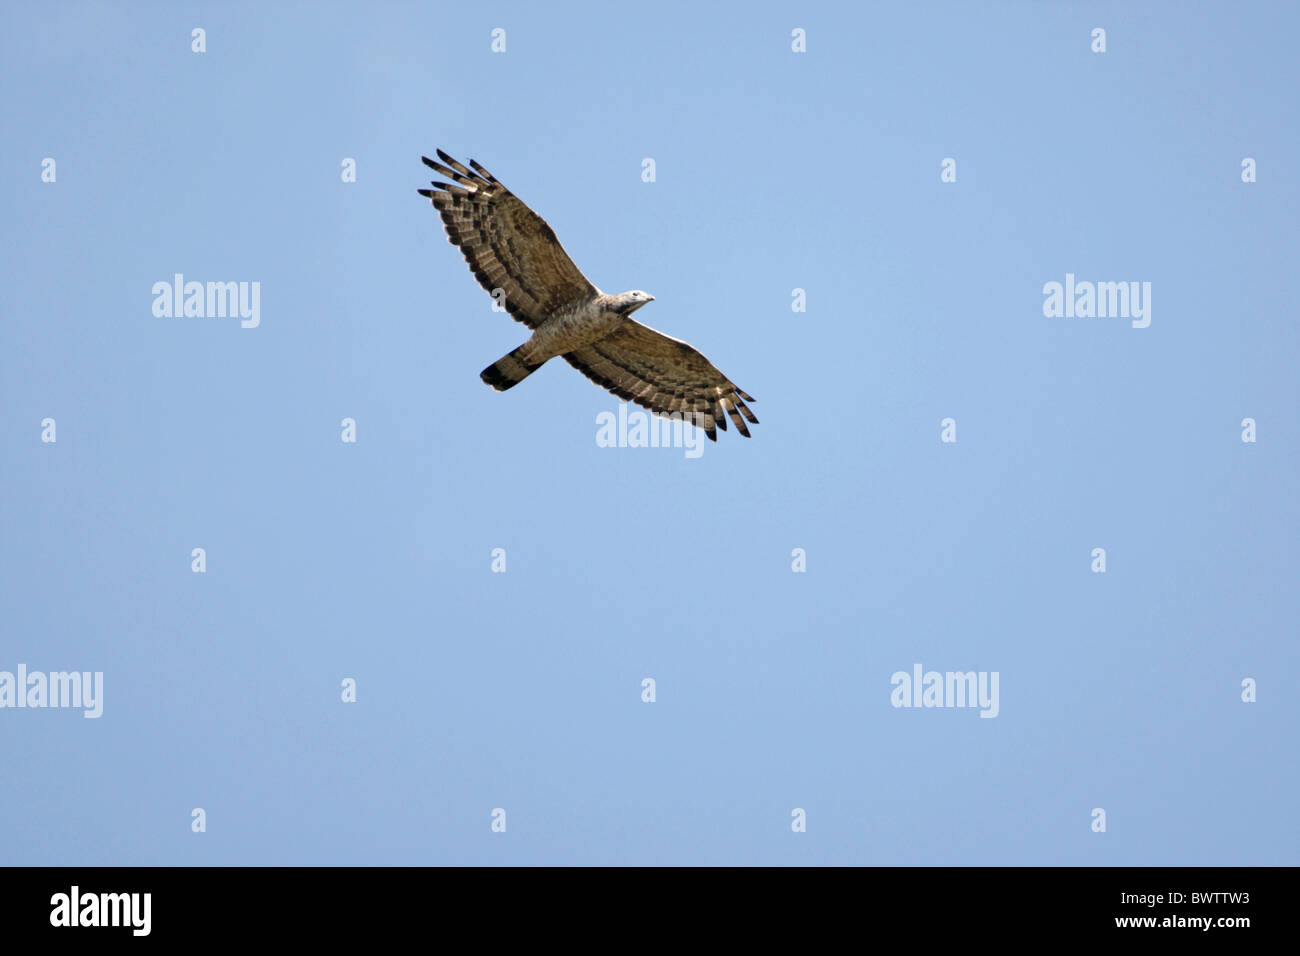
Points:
[573,328]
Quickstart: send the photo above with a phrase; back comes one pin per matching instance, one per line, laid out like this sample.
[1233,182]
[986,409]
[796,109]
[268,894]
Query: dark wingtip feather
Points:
[475,165]
[730,406]
[458,166]
[425,192]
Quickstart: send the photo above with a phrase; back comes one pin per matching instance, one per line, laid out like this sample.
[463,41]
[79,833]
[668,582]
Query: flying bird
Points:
[514,253]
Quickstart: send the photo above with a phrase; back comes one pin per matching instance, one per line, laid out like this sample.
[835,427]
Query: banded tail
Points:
[509,370]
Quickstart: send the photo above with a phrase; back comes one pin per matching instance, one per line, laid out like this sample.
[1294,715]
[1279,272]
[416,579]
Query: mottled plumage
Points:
[511,248]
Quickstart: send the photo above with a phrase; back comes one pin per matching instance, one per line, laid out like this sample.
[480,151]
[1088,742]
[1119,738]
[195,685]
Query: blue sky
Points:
[522,690]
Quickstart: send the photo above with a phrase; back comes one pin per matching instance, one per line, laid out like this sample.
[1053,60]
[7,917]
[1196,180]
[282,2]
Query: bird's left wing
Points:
[665,375]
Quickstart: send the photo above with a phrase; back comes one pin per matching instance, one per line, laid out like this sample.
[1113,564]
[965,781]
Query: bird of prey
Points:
[514,254]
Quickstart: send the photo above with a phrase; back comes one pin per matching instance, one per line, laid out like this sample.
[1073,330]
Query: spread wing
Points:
[665,375]
[507,245]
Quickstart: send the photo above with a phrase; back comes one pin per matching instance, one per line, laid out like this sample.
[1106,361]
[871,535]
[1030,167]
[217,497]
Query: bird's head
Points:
[629,302]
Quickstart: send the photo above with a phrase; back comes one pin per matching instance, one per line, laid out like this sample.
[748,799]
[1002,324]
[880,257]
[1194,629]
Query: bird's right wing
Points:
[507,245]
